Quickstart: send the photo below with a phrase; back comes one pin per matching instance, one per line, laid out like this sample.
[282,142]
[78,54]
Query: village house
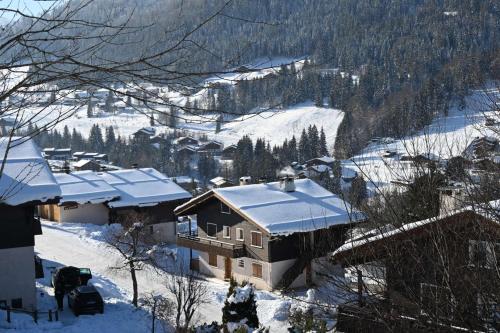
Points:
[89,165]
[444,268]
[57,154]
[268,234]
[144,134]
[228,152]
[324,160]
[219,182]
[185,140]
[26,182]
[211,147]
[151,195]
[84,196]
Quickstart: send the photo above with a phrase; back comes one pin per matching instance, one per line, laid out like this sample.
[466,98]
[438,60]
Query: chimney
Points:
[247,180]
[287,184]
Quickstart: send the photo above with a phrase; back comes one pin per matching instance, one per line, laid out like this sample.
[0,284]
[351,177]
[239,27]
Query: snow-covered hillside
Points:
[273,125]
[444,138]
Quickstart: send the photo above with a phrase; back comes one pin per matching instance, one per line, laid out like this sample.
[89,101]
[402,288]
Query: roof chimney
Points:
[247,180]
[287,184]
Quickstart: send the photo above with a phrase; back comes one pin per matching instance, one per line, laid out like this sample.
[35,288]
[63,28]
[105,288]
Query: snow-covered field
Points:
[273,125]
[443,138]
[82,245]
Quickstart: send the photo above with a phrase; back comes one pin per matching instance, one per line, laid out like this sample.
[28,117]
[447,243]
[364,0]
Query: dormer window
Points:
[224,209]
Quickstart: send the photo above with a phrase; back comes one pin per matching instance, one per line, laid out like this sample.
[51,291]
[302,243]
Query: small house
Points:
[89,165]
[212,147]
[324,160]
[185,140]
[219,182]
[268,234]
[228,152]
[84,196]
[148,193]
[26,182]
[443,269]
[144,134]
[57,154]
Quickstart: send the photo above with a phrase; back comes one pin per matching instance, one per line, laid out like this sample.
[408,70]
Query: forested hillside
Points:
[409,58]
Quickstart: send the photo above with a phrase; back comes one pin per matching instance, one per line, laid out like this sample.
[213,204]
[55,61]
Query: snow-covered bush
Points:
[240,309]
[307,316]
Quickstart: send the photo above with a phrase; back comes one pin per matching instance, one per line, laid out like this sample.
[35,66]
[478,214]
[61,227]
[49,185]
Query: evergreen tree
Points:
[96,141]
[90,112]
[110,139]
[108,104]
[240,305]
[66,138]
[323,150]
[358,192]
[304,147]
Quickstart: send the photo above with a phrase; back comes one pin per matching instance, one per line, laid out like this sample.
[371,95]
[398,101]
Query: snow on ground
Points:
[443,138]
[257,69]
[273,125]
[82,245]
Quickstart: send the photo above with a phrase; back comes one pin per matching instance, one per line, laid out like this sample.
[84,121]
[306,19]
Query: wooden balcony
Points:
[211,246]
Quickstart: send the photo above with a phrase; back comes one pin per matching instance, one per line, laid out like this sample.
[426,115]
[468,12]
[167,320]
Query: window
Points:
[3,304]
[241,263]
[224,209]
[151,230]
[212,230]
[212,259]
[256,239]
[482,254]
[436,300]
[16,303]
[257,270]
[240,234]
[226,232]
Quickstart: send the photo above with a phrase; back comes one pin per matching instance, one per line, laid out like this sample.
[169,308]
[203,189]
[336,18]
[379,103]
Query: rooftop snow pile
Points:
[26,176]
[85,187]
[142,187]
[309,207]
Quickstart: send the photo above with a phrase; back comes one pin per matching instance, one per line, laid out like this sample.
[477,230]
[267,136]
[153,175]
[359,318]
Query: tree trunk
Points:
[134,283]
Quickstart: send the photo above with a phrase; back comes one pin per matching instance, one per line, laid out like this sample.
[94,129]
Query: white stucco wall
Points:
[17,276]
[87,213]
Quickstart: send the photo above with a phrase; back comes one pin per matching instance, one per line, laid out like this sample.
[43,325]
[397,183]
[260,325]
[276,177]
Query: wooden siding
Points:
[17,226]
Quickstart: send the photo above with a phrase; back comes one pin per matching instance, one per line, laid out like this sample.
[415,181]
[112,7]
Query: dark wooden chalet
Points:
[268,234]
[228,152]
[440,274]
[186,140]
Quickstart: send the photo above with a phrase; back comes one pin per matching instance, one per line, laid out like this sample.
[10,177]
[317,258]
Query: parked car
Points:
[71,277]
[85,299]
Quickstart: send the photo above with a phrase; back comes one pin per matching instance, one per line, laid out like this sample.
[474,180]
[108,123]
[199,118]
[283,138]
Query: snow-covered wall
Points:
[87,213]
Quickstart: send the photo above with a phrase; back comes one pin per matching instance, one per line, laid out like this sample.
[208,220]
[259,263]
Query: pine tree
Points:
[238,309]
[172,119]
[110,139]
[96,142]
[323,150]
[218,124]
[66,138]
[109,102]
[304,147]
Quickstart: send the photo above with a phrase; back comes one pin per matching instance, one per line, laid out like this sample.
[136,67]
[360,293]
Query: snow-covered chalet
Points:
[268,234]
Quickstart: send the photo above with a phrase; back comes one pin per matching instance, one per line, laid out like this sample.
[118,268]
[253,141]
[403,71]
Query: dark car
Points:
[70,277]
[85,299]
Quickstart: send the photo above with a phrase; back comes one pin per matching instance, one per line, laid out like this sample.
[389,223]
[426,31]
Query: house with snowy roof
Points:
[144,134]
[444,267]
[268,234]
[26,182]
[324,160]
[149,194]
[84,198]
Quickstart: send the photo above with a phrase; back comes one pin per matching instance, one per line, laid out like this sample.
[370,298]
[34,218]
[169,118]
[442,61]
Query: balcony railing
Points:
[210,245]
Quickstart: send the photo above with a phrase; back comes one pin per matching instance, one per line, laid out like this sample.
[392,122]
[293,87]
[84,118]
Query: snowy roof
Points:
[82,163]
[146,130]
[324,159]
[26,176]
[84,187]
[309,207]
[483,210]
[142,187]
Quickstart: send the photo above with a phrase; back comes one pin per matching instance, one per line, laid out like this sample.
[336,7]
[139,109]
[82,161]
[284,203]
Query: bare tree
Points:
[131,242]
[189,292]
